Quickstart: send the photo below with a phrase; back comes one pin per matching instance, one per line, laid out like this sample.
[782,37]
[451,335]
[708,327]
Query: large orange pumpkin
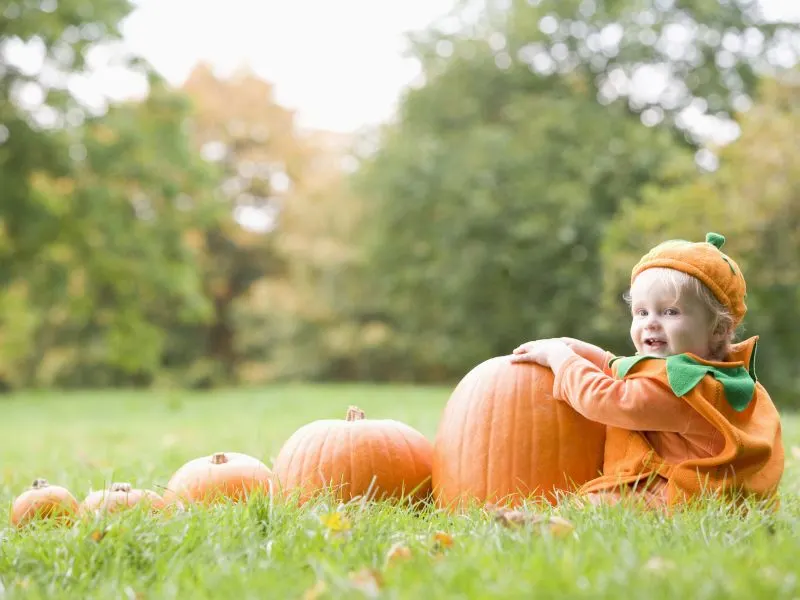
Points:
[356,457]
[223,476]
[44,501]
[503,438]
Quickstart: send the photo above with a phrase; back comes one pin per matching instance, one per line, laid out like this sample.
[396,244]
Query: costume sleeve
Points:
[640,404]
[600,359]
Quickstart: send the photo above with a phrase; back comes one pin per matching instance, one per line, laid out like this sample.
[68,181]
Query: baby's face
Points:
[663,325]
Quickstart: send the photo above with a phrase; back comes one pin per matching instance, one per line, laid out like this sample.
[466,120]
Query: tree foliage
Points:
[199,237]
[260,263]
[753,200]
[33,138]
[113,270]
[488,204]
[667,60]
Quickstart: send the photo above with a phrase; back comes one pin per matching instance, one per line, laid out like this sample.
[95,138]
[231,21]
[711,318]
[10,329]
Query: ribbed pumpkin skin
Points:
[346,455]
[503,437]
[119,497]
[44,501]
[221,477]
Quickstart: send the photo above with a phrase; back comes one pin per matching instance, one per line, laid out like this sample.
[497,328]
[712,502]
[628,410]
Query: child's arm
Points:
[594,354]
[637,404]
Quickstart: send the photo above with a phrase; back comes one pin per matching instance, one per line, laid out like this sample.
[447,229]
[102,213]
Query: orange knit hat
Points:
[708,263]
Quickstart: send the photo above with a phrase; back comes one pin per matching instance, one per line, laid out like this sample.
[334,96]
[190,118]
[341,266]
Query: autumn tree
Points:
[116,271]
[667,61]
[92,261]
[533,125]
[263,265]
[486,210]
[36,106]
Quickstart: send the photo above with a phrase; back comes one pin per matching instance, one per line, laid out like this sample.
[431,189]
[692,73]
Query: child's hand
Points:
[548,353]
[588,351]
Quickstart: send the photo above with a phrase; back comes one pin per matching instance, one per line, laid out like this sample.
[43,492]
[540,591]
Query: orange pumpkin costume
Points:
[681,426]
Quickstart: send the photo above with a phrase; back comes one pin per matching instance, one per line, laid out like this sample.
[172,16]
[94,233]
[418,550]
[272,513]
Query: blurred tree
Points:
[487,205]
[317,223]
[263,264]
[43,53]
[117,270]
[668,60]
[90,225]
[488,201]
[506,203]
[753,199]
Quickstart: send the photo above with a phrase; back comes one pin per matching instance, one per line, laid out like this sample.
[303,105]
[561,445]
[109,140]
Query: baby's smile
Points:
[654,345]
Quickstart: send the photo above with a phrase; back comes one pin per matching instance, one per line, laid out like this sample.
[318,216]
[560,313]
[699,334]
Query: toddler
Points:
[685,415]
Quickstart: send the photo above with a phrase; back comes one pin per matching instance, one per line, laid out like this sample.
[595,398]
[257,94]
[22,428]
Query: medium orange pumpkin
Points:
[221,476]
[44,501]
[503,437]
[118,497]
[356,457]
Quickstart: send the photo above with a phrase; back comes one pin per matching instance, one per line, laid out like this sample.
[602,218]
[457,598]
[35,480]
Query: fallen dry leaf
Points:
[559,526]
[398,552]
[131,594]
[442,539]
[97,535]
[657,564]
[315,591]
[23,583]
[367,581]
[516,518]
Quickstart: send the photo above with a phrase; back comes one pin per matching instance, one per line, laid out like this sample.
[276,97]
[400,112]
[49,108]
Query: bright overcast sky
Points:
[339,63]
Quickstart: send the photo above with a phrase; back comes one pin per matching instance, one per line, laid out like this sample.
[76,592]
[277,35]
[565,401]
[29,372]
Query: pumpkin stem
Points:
[355,414]
[219,458]
[121,487]
[39,484]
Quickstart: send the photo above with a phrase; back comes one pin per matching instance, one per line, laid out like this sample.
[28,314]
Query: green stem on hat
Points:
[715,239]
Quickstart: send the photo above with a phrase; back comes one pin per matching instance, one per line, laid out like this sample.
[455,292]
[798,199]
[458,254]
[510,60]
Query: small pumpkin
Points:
[44,501]
[119,497]
[218,477]
[357,457]
[503,437]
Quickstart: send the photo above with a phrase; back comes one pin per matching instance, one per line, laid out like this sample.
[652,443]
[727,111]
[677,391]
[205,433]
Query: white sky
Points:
[339,63]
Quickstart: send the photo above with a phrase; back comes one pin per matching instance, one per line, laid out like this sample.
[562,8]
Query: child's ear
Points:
[722,331]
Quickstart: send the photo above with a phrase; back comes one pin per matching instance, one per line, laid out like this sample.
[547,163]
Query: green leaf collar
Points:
[684,372]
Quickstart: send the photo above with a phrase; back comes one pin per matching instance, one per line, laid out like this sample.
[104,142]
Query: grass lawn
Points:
[262,550]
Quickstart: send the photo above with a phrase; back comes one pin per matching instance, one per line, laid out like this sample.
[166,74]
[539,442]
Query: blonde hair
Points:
[721,317]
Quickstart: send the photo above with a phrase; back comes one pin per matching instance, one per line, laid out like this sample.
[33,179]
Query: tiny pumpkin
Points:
[503,438]
[119,497]
[44,501]
[218,477]
[356,457]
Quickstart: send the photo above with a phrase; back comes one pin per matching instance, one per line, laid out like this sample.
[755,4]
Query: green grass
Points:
[265,550]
